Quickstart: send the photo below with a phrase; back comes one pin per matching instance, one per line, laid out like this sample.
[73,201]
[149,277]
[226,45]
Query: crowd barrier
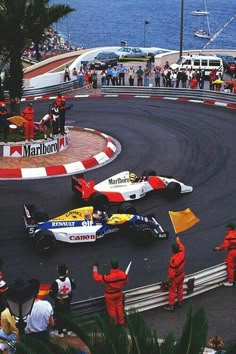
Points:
[187,93]
[152,296]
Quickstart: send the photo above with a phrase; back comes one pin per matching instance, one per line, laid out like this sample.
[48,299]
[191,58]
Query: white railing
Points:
[152,296]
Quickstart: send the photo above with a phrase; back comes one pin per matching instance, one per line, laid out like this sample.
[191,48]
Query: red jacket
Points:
[177,261]
[28,113]
[229,241]
[114,281]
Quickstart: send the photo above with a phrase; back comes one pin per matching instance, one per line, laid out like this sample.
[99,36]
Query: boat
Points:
[203,33]
[200,13]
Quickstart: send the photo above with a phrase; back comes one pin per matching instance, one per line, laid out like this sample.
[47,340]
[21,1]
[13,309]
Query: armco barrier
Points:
[201,95]
[37,92]
[152,296]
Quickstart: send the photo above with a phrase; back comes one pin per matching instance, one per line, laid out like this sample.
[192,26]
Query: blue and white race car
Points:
[88,225]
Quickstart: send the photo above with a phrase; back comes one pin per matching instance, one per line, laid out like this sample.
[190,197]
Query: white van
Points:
[199,62]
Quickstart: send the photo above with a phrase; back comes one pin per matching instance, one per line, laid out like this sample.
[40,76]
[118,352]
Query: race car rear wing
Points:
[86,188]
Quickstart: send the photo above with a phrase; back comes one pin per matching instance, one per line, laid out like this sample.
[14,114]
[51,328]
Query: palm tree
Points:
[138,338]
[20,22]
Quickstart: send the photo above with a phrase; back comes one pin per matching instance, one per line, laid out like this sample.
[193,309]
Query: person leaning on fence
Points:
[176,275]
[229,244]
[114,283]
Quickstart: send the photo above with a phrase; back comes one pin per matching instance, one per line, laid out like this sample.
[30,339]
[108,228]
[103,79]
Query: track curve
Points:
[191,142]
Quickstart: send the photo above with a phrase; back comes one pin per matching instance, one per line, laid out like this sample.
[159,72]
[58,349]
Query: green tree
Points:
[20,22]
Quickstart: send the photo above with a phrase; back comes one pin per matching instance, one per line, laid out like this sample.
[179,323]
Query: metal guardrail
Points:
[152,296]
[170,92]
[45,91]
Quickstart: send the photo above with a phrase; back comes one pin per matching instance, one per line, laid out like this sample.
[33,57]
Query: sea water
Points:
[108,22]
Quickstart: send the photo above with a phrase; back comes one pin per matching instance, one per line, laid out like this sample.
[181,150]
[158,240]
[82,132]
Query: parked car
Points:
[131,52]
[104,59]
[227,61]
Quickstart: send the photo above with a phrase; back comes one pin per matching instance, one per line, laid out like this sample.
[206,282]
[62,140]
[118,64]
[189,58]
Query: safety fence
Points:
[45,91]
[156,295]
[201,95]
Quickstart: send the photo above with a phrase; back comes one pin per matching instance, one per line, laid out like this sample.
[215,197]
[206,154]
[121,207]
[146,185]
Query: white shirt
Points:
[39,317]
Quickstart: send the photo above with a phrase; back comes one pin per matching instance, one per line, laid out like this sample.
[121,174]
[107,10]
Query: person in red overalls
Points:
[114,283]
[229,243]
[28,114]
[176,275]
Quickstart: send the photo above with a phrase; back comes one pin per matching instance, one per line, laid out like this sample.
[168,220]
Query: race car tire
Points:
[143,234]
[40,215]
[45,241]
[173,190]
[99,201]
[148,173]
[127,208]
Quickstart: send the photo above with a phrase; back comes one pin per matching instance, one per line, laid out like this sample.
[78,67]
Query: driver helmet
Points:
[97,214]
[132,177]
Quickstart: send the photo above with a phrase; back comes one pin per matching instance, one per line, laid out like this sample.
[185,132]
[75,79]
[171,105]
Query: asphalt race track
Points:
[191,142]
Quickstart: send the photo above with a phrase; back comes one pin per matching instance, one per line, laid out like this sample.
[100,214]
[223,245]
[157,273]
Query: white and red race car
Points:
[120,188]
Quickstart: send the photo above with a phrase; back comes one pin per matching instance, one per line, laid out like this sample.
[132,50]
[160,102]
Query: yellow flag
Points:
[183,220]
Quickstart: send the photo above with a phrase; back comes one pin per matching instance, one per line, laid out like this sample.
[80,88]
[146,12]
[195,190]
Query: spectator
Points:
[184,79]
[114,282]
[201,79]
[94,76]
[61,104]
[28,114]
[81,77]
[139,74]
[173,78]
[66,74]
[167,66]
[108,75]
[147,73]
[157,72]
[194,82]
[121,74]
[216,343]
[61,293]
[179,76]
[39,320]
[131,74]
[114,77]
[168,78]
[103,77]
[9,330]
[229,244]
[4,126]
[176,275]
[3,289]
[212,78]
[74,74]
